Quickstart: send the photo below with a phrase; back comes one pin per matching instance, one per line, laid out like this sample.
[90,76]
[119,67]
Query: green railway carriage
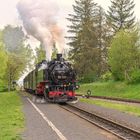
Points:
[33,78]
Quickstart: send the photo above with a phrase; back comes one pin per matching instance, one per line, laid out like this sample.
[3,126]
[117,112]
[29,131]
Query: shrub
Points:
[124,55]
[135,77]
[88,78]
[107,76]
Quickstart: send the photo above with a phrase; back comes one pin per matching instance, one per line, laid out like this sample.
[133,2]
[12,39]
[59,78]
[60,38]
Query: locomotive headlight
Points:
[47,86]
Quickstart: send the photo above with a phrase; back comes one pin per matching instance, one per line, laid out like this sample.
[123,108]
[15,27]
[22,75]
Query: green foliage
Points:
[15,66]
[11,116]
[124,55]
[88,78]
[121,15]
[135,77]
[112,89]
[3,59]
[13,38]
[3,88]
[54,52]
[107,76]
[103,35]
[85,66]
[86,39]
[19,55]
[40,54]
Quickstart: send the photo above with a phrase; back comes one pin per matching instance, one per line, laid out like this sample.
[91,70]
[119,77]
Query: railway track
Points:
[121,131]
[111,98]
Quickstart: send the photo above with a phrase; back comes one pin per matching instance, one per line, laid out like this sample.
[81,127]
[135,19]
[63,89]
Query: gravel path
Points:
[71,126]
[112,114]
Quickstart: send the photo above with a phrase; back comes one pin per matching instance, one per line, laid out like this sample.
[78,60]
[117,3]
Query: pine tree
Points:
[102,33]
[121,14]
[85,51]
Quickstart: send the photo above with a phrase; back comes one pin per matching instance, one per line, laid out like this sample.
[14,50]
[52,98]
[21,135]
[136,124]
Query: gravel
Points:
[112,114]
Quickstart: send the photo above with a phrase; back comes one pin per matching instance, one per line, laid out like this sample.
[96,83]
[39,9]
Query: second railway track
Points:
[121,131]
[111,99]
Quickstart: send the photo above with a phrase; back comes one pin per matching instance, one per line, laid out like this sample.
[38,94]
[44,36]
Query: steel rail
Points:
[110,98]
[119,130]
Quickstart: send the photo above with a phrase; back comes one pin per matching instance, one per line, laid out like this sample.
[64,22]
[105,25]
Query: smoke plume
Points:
[41,20]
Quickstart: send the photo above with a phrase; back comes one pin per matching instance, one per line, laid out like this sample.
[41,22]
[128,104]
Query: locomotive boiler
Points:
[55,80]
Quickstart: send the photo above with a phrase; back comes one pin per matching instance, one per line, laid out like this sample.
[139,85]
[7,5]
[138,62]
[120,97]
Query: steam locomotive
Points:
[55,80]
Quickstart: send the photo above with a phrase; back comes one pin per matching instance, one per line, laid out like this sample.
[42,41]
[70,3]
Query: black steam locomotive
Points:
[55,80]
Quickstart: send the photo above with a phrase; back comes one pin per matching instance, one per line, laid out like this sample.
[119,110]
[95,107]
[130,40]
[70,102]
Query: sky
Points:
[9,14]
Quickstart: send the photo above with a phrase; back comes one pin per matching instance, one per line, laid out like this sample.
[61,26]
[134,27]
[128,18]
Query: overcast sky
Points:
[9,14]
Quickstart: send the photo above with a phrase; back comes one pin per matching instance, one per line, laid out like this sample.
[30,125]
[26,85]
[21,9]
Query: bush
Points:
[3,89]
[135,77]
[88,78]
[124,55]
[107,76]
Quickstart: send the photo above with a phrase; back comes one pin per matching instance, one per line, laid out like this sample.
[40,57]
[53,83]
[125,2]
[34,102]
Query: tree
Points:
[121,14]
[17,64]
[40,54]
[19,54]
[85,51]
[3,59]
[124,54]
[103,36]
[13,38]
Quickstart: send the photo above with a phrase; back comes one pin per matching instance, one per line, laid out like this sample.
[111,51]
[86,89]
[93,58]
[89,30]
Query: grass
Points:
[135,110]
[112,89]
[11,116]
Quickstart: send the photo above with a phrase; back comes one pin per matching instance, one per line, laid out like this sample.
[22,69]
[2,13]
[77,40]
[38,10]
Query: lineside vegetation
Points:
[11,116]
[112,89]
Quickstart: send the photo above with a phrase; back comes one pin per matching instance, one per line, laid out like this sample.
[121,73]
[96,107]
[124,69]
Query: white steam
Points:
[40,19]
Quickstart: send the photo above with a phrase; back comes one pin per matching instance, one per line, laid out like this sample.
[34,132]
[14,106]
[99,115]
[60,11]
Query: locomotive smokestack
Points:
[59,56]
